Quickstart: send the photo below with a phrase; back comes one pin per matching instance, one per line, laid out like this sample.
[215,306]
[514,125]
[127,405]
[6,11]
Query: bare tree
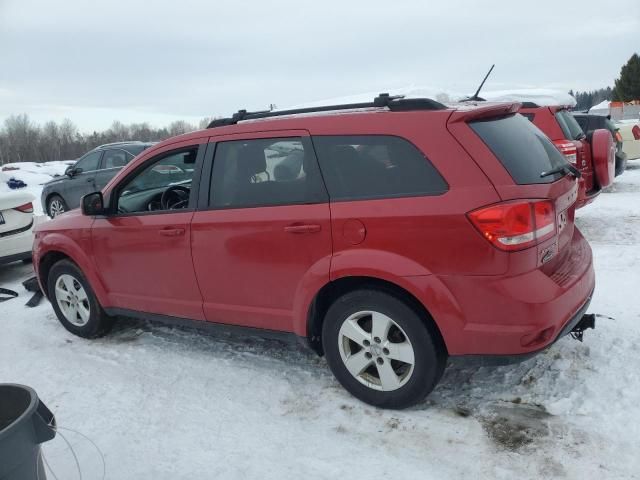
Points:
[22,140]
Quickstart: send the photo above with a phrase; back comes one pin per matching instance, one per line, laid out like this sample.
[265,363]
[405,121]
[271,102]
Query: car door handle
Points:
[171,232]
[307,228]
[89,180]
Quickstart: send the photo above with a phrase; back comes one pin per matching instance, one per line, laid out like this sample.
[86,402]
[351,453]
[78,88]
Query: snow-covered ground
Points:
[167,403]
[34,174]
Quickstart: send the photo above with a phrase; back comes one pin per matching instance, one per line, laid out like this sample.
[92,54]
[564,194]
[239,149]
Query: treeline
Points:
[586,100]
[22,140]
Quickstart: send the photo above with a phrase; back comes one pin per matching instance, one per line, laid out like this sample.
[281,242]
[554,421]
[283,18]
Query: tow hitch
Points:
[587,321]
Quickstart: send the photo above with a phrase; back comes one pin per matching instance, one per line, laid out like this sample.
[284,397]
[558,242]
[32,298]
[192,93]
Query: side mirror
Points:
[70,171]
[92,204]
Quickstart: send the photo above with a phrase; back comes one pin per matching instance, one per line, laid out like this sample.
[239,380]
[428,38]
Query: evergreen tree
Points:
[627,87]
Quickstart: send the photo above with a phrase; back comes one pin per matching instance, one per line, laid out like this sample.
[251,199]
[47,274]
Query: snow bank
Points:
[35,175]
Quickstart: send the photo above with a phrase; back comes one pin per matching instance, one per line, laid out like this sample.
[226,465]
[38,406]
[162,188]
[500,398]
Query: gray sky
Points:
[157,61]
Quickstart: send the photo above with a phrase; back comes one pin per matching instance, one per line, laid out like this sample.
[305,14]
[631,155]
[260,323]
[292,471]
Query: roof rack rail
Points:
[396,103]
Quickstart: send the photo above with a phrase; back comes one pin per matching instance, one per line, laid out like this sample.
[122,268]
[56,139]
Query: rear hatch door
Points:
[524,153]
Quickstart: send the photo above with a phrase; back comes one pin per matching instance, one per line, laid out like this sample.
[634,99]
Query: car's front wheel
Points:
[381,350]
[56,206]
[74,302]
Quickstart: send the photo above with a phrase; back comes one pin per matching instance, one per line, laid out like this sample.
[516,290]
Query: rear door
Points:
[261,236]
[112,162]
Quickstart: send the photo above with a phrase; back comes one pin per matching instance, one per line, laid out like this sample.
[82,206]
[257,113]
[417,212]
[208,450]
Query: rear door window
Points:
[524,151]
[375,166]
[115,158]
[265,172]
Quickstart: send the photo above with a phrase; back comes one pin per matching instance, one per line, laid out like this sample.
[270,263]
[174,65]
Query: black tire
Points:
[98,323]
[429,353]
[50,203]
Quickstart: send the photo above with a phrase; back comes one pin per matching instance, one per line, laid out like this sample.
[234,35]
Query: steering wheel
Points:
[175,197]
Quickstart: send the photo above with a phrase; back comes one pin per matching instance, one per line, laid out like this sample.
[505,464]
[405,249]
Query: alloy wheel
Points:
[56,208]
[376,350]
[72,300]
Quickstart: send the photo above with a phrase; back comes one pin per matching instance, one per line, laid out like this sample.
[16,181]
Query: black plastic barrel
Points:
[25,423]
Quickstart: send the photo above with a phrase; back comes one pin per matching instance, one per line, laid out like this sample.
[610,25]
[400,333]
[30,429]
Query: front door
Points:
[264,236]
[83,179]
[143,249]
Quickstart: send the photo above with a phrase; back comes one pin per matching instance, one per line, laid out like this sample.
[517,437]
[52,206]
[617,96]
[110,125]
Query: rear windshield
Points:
[569,125]
[524,151]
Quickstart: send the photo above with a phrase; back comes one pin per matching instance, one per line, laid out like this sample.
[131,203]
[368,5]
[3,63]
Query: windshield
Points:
[569,125]
[524,151]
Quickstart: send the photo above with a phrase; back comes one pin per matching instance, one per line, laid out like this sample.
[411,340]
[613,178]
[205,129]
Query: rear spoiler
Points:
[486,110]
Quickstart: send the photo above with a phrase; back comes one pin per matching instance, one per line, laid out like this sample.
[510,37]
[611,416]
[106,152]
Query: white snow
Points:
[167,403]
[410,91]
[540,96]
[34,174]
[602,106]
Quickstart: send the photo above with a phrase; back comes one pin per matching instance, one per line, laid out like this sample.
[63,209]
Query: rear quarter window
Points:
[522,149]
[358,167]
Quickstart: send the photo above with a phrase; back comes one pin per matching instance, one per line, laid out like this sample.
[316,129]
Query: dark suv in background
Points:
[90,173]
[590,122]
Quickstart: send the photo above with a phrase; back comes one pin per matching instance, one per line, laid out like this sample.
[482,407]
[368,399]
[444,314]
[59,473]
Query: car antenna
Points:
[475,96]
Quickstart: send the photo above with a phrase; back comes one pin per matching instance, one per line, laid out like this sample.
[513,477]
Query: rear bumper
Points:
[17,246]
[520,314]
[497,360]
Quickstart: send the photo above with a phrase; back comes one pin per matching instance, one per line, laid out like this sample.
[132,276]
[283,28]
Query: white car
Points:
[630,132]
[16,226]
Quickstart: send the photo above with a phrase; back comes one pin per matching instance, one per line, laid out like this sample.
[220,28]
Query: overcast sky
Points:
[156,61]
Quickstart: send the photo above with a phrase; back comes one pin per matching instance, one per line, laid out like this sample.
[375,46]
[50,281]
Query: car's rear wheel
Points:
[74,302]
[56,206]
[381,350]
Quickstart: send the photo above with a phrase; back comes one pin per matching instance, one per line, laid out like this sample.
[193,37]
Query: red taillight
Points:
[618,136]
[636,132]
[568,149]
[26,208]
[516,225]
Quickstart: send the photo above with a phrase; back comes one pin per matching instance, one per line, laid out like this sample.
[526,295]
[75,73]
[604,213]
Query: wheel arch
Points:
[61,248]
[336,288]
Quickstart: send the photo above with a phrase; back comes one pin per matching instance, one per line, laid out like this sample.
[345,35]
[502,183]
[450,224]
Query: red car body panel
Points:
[241,266]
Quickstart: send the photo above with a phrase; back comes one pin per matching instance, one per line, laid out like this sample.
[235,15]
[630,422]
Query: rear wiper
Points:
[568,168]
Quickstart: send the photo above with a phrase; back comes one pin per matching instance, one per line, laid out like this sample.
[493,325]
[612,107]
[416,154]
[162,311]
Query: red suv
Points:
[388,235]
[593,154]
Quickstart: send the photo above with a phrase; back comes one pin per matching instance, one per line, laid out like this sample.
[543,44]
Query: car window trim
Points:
[154,158]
